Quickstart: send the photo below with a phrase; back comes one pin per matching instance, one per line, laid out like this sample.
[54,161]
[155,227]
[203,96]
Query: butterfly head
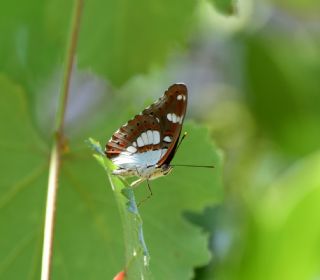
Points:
[156,172]
[166,169]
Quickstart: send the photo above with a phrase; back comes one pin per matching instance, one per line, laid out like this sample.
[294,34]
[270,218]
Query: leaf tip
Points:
[94,145]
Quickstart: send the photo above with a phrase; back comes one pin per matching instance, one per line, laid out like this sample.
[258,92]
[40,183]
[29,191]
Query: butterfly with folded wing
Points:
[146,144]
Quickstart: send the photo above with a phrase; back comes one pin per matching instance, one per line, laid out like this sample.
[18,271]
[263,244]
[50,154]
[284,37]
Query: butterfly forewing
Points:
[170,109]
[151,137]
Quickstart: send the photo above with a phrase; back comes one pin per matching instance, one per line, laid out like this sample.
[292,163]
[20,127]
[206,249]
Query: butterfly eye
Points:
[166,169]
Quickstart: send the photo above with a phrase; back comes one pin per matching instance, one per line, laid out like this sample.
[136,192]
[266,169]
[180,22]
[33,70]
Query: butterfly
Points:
[146,144]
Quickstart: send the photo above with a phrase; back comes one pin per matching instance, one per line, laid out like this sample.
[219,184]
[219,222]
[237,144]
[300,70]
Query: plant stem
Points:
[50,214]
[69,60]
[57,149]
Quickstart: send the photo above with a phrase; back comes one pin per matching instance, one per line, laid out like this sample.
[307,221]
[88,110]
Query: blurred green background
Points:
[253,73]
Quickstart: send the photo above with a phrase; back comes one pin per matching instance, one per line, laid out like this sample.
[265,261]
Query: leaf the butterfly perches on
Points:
[145,146]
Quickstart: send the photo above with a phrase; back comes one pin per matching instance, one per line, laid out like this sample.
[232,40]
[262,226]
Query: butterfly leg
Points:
[150,191]
[137,182]
[150,194]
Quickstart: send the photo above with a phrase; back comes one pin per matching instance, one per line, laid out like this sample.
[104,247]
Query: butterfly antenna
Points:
[182,138]
[188,165]
[146,198]
[191,165]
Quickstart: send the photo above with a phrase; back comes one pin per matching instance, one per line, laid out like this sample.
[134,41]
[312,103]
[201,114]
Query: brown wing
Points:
[135,136]
[158,127]
[170,111]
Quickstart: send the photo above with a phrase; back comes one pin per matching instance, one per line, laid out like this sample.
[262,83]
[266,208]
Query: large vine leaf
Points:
[88,234]
[183,245]
[127,37]
[30,48]
[23,183]
[118,39]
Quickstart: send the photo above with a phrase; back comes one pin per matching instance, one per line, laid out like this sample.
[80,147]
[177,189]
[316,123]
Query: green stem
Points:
[69,60]
[57,149]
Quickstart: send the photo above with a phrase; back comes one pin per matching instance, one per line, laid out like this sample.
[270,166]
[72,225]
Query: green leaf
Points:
[118,39]
[183,245]
[88,234]
[24,169]
[31,47]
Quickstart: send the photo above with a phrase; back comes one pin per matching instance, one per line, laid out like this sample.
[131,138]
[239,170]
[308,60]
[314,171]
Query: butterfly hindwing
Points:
[140,134]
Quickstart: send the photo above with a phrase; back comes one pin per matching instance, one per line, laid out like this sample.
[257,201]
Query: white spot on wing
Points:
[131,149]
[150,136]
[140,142]
[181,119]
[167,139]
[174,118]
[179,97]
[144,137]
[134,144]
[158,120]
[156,137]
